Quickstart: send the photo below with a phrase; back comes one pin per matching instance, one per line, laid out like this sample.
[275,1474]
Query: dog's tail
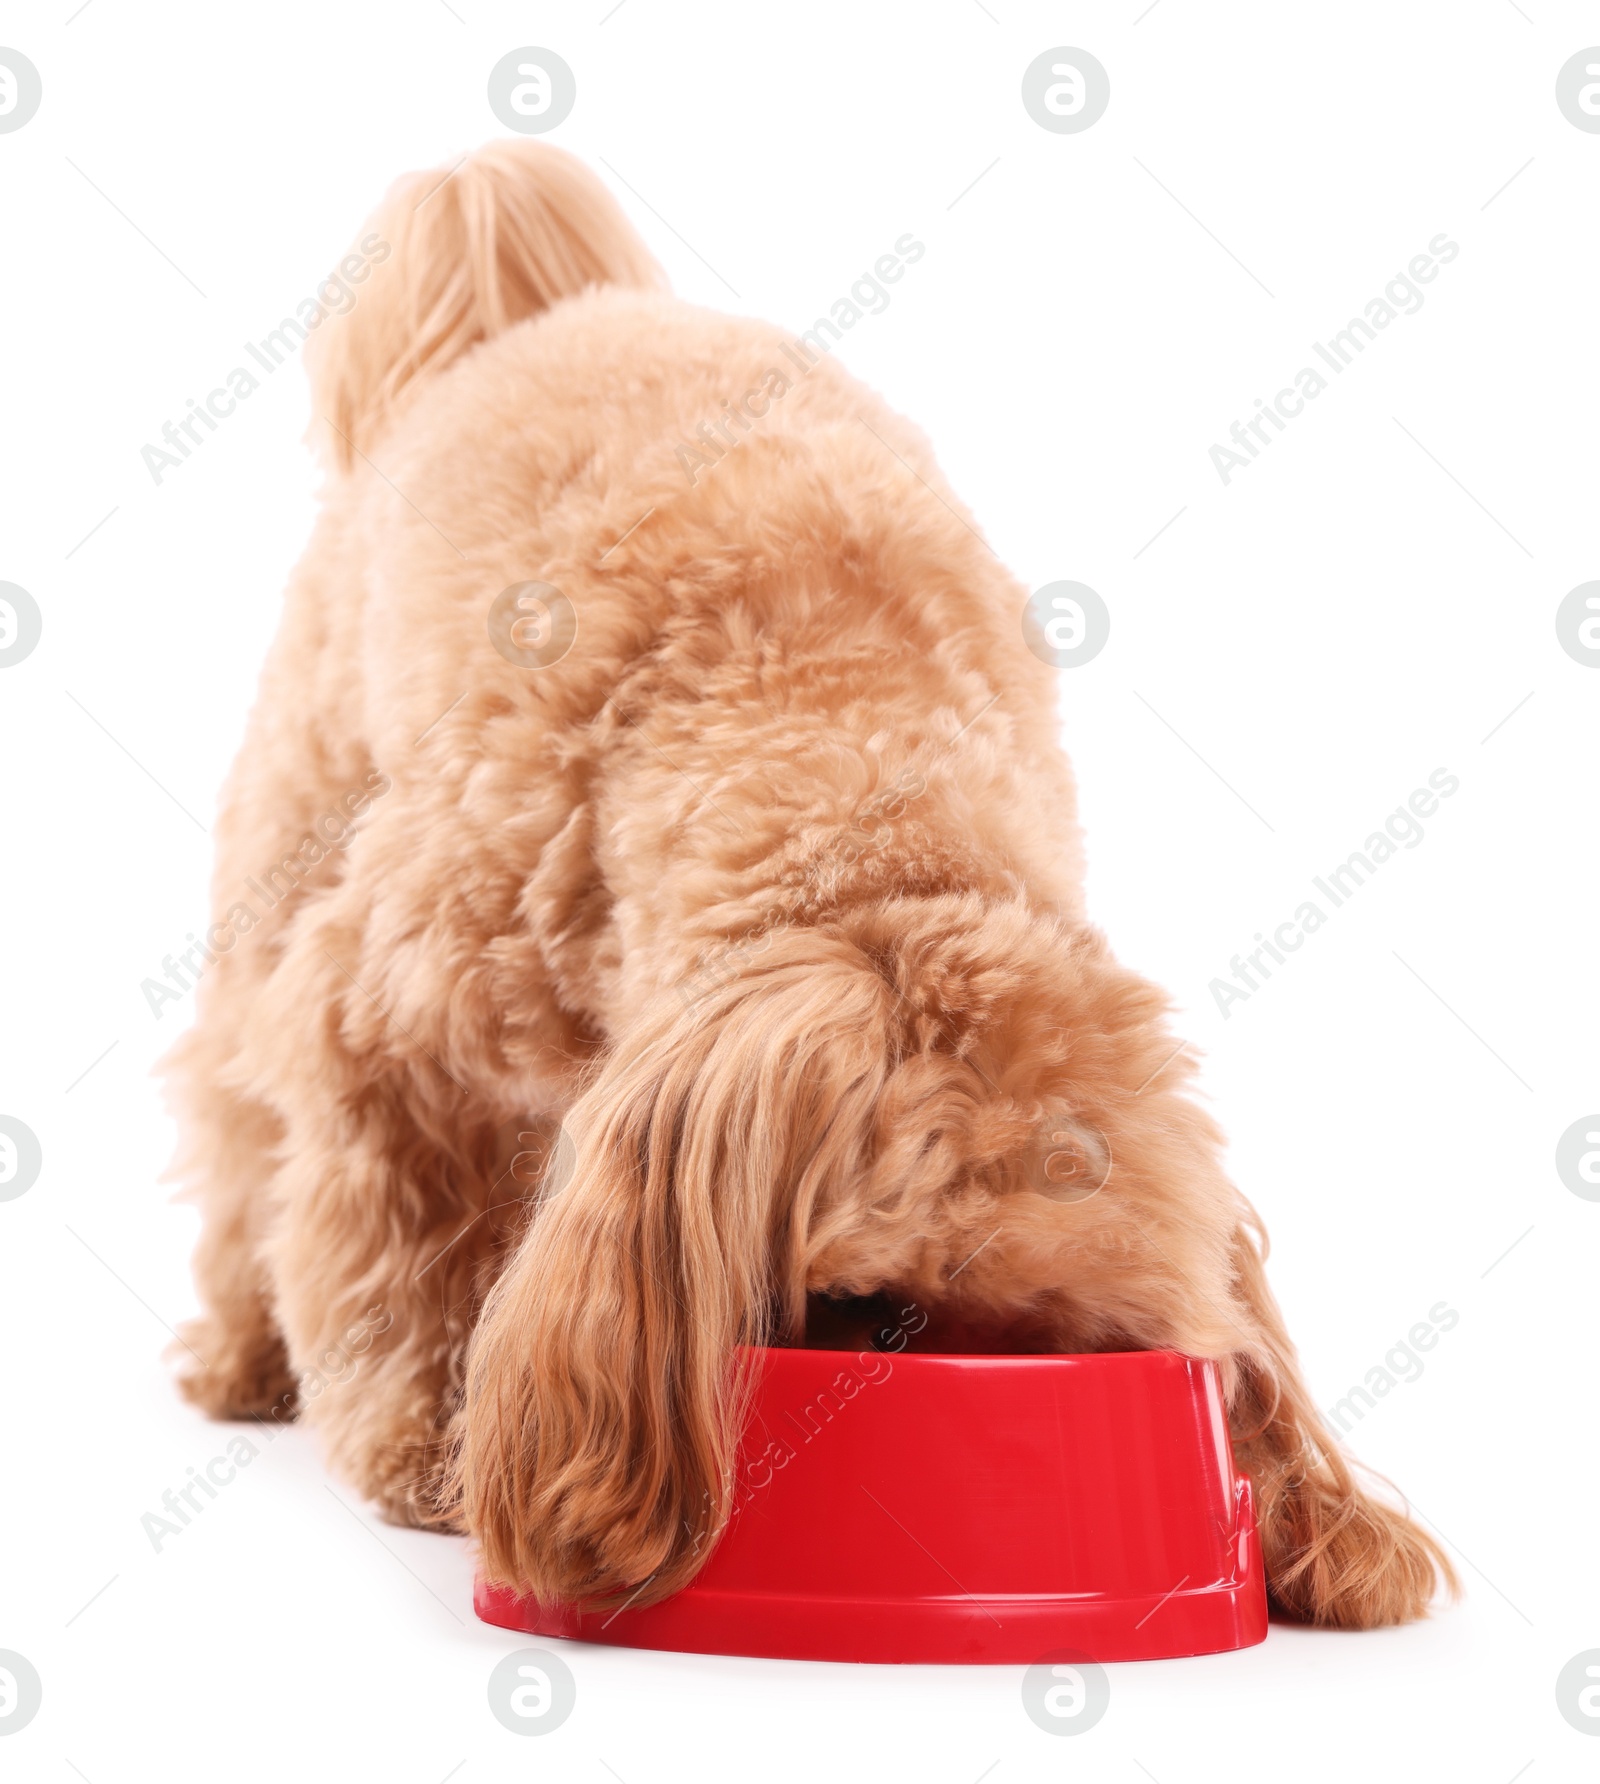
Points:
[470,250]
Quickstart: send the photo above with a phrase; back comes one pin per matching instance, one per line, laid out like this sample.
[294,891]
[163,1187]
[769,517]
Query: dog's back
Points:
[718,516]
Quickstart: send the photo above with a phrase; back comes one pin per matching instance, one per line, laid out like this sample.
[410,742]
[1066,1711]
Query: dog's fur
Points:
[770,891]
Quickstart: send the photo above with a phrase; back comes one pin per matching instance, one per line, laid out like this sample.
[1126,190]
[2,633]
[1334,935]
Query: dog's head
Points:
[959,1100]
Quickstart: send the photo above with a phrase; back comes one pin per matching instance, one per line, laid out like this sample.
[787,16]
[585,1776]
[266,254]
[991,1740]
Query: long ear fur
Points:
[603,1403]
[1335,1554]
[510,231]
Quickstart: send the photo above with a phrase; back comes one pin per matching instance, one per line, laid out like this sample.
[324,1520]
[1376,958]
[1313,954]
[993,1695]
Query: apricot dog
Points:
[741,845]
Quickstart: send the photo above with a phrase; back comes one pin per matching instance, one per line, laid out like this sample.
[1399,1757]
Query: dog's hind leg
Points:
[231,1358]
[292,801]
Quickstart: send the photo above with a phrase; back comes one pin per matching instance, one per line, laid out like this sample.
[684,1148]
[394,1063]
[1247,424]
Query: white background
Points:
[1288,660]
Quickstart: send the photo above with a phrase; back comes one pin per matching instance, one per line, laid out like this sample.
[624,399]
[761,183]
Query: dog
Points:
[698,935]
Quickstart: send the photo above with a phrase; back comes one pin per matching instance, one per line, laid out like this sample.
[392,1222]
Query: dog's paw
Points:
[232,1378]
[417,1493]
[1353,1563]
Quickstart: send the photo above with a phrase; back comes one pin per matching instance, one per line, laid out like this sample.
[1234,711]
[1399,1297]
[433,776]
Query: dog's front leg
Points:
[384,1233]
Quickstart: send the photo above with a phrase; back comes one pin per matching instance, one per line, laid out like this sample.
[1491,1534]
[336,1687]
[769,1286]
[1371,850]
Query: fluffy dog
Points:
[741,845]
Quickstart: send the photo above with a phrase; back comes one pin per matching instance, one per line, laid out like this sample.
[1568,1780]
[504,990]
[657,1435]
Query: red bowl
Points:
[919,1508]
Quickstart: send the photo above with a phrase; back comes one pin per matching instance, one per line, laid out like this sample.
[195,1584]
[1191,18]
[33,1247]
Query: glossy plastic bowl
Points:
[919,1508]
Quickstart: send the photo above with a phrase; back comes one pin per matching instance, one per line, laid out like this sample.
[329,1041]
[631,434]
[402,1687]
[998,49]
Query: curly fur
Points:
[770,890]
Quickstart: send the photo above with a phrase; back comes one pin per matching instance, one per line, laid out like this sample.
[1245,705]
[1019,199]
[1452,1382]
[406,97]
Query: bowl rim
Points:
[961,1356]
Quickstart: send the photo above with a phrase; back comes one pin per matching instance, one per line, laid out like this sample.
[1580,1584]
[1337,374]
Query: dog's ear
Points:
[596,1443]
[1336,1553]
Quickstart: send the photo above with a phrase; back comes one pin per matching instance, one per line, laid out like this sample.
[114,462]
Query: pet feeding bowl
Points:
[921,1508]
